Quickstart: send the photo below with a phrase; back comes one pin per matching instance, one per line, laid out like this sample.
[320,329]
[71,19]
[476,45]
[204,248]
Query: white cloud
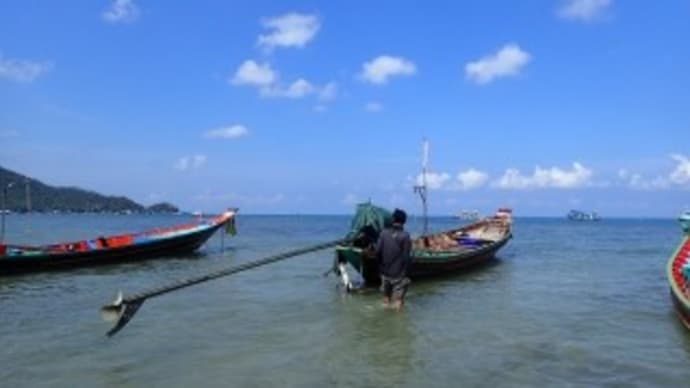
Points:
[554,177]
[320,108]
[21,70]
[380,69]
[231,132]
[297,89]
[373,106]
[471,179]
[190,162]
[289,30]
[508,61]
[583,10]
[252,73]
[121,11]
[434,181]
[681,174]
[300,88]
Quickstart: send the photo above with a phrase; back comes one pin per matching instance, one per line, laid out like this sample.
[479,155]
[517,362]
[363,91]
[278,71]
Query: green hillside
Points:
[46,198]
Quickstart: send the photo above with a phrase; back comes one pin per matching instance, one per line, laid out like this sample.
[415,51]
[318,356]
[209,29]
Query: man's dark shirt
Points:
[393,251]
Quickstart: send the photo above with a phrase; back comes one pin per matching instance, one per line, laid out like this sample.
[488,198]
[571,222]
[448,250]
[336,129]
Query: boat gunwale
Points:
[678,293]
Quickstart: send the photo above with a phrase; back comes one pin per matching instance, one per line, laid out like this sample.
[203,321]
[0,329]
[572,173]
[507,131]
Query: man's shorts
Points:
[394,288]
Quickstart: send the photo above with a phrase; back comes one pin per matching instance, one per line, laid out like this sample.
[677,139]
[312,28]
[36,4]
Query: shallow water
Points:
[564,304]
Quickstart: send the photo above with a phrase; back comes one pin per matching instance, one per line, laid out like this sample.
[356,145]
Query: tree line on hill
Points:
[21,194]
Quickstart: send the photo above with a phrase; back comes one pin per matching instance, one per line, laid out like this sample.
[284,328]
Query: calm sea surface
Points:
[565,304]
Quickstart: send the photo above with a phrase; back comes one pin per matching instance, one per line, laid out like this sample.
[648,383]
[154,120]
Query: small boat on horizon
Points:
[684,220]
[468,215]
[154,243]
[678,275]
[578,215]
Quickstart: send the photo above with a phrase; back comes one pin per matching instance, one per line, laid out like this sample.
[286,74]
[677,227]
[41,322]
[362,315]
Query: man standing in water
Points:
[393,252]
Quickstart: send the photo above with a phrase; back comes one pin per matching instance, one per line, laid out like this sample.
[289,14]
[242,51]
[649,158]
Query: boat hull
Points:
[678,276]
[171,244]
[421,266]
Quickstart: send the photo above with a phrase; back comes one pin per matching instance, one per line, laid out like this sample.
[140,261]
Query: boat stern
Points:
[363,263]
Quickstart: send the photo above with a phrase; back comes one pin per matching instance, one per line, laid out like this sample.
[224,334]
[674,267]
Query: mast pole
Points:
[422,189]
[4,210]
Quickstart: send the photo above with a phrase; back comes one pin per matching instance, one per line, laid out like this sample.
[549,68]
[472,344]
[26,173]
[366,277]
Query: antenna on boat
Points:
[28,203]
[422,189]
[3,211]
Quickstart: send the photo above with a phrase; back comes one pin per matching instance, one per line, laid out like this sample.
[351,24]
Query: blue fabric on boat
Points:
[469,241]
[92,244]
[141,239]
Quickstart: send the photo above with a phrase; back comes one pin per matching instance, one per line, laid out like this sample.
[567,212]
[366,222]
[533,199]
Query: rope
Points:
[140,297]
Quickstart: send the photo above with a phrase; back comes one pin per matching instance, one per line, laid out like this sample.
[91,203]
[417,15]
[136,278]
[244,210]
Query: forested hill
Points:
[46,198]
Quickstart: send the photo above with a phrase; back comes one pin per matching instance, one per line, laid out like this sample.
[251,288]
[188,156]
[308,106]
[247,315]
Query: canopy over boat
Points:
[126,247]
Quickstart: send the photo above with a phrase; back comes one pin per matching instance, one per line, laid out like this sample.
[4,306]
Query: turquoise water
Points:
[565,304]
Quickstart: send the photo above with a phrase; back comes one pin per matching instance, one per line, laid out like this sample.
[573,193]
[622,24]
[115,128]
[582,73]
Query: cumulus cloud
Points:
[190,162]
[289,30]
[21,70]
[508,61]
[121,11]
[266,80]
[298,89]
[553,177]
[681,174]
[255,74]
[471,179]
[231,132]
[380,69]
[434,180]
[373,107]
[583,10]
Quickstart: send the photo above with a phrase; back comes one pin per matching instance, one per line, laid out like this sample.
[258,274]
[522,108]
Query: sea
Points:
[564,304]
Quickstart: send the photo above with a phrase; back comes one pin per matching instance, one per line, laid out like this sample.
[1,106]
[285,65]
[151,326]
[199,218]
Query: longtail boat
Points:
[436,254]
[678,274]
[154,243]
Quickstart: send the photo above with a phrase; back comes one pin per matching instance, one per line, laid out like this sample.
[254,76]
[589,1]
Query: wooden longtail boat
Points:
[432,255]
[678,274]
[113,249]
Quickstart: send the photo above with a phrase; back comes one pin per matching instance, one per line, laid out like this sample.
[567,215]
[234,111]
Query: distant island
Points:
[46,198]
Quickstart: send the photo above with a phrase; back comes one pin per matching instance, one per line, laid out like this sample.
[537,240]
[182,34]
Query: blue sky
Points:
[310,107]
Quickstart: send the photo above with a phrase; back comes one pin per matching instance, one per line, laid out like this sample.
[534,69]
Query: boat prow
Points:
[678,274]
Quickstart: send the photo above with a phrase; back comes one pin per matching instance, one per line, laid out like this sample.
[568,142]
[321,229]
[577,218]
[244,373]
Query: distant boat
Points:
[113,249]
[684,220]
[678,274]
[577,215]
[468,215]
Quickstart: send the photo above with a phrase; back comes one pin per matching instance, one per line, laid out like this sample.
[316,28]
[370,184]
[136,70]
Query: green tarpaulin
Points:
[369,215]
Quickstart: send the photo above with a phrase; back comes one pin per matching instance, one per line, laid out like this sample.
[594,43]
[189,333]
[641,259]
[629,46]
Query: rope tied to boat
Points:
[122,310]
